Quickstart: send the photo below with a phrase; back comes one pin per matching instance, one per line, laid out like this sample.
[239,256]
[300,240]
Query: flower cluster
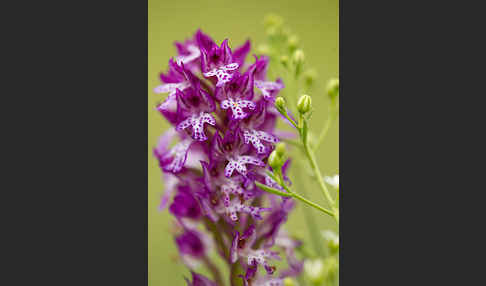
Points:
[223,117]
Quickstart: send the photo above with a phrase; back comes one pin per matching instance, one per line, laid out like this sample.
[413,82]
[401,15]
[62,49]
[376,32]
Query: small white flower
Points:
[333,181]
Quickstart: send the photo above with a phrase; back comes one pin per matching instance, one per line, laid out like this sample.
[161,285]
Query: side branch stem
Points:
[289,193]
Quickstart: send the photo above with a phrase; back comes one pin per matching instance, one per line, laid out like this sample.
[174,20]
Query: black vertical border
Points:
[408,131]
[77,133]
[376,148]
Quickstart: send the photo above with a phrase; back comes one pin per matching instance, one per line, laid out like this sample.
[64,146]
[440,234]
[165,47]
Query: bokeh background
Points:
[316,24]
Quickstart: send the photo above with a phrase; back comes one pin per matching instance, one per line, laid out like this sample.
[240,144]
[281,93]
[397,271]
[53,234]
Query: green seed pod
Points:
[304,104]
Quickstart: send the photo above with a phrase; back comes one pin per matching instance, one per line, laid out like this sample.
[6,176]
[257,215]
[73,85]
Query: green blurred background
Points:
[316,24]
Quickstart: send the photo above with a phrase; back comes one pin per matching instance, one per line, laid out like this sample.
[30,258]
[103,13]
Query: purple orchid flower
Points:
[227,187]
[231,150]
[172,159]
[216,181]
[176,78]
[255,130]
[194,108]
[241,247]
[237,94]
[220,62]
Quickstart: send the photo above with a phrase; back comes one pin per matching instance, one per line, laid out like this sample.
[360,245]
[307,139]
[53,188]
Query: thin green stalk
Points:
[332,114]
[272,190]
[317,172]
[301,198]
[290,119]
[294,195]
[323,133]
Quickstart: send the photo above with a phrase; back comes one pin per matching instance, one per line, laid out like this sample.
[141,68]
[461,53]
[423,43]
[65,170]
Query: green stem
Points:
[218,238]
[272,190]
[323,133]
[317,172]
[235,271]
[301,198]
[332,114]
[290,119]
[214,270]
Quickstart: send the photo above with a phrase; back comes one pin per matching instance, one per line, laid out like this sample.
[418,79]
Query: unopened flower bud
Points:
[280,104]
[304,104]
[275,161]
[293,42]
[272,20]
[310,77]
[289,282]
[298,60]
[333,88]
[284,60]
[298,56]
[280,148]
[314,270]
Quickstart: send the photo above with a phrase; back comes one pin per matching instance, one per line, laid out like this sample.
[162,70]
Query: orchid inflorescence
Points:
[225,166]
[222,113]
